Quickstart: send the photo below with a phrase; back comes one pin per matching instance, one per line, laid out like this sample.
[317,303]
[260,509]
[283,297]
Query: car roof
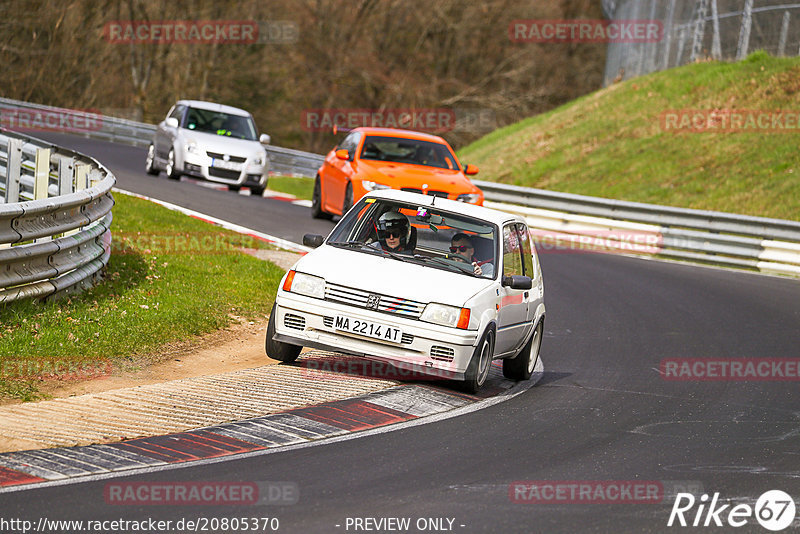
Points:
[213,106]
[479,212]
[396,132]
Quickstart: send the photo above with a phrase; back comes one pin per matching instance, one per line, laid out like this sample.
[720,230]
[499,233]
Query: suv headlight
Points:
[470,198]
[305,284]
[259,158]
[373,186]
[191,147]
[446,315]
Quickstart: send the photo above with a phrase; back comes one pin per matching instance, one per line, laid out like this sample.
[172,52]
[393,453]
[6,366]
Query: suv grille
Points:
[234,159]
[358,297]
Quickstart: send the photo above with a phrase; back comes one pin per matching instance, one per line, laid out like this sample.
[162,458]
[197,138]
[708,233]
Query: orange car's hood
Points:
[417,176]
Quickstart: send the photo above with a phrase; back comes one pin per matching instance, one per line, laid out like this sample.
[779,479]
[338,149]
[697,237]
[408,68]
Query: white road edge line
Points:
[277,241]
[514,391]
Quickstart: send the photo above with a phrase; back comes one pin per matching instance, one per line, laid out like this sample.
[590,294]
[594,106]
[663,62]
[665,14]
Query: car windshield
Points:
[413,151]
[217,122]
[436,238]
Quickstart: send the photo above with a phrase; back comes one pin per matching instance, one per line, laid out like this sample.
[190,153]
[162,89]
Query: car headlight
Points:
[446,315]
[260,158]
[305,284]
[191,147]
[373,186]
[470,198]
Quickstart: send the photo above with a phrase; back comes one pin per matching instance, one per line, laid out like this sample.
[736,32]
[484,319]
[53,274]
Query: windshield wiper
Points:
[469,269]
[351,244]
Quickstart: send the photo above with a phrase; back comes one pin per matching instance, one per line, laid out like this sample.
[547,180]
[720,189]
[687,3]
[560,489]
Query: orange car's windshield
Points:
[413,151]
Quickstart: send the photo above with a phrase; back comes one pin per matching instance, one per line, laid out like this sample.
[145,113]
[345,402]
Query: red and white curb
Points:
[260,435]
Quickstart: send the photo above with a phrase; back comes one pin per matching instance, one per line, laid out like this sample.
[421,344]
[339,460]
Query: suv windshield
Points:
[412,151]
[217,122]
[426,235]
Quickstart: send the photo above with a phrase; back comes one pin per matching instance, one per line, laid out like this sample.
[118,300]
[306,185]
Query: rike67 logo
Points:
[774,510]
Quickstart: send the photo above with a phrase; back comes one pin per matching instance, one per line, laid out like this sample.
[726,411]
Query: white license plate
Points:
[368,328]
[229,165]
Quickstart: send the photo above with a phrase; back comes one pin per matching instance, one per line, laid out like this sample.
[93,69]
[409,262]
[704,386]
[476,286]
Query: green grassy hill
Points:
[612,144]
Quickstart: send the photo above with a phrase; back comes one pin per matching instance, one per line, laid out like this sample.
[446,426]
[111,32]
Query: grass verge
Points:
[613,144]
[182,280]
[300,187]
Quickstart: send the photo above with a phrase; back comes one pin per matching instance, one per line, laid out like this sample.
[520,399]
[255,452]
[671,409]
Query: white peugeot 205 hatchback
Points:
[422,283]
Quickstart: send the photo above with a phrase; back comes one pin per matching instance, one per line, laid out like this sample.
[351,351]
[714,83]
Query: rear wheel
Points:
[316,202]
[348,198]
[277,350]
[521,367]
[150,162]
[480,364]
[172,172]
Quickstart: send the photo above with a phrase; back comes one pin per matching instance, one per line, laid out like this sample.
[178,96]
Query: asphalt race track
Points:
[601,413]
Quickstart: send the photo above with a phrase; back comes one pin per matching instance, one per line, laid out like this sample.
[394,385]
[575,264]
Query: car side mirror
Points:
[343,154]
[264,139]
[517,281]
[313,240]
[470,169]
[171,122]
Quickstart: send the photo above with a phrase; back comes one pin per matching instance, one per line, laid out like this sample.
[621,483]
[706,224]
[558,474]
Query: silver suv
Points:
[211,142]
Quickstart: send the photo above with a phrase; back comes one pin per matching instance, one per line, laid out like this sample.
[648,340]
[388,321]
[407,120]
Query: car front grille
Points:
[387,304]
[234,159]
[224,173]
[405,339]
[293,321]
[441,194]
[443,354]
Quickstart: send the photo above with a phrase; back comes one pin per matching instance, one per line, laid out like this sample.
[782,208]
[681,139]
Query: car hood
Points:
[388,276]
[225,145]
[417,176]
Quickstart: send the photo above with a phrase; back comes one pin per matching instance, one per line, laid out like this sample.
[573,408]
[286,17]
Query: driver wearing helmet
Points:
[394,233]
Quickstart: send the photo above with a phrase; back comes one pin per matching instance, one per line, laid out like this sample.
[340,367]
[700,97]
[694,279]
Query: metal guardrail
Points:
[54,219]
[727,239]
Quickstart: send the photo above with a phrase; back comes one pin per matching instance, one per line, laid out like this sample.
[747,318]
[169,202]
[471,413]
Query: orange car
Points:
[369,159]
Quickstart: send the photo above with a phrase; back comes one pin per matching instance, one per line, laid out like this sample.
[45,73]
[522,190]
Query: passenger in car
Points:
[462,245]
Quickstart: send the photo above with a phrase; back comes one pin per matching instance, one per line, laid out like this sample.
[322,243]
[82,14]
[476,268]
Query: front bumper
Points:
[246,173]
[437,351]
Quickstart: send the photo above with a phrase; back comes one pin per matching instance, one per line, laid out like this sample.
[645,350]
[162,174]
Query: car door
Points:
[513,320]
[530,266]
[165,135]
[338,173]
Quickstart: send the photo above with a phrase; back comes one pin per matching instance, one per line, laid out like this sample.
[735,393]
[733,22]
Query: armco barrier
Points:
[769,245]
[54,219]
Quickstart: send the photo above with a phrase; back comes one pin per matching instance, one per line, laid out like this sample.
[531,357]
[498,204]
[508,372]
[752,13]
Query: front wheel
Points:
[316,202]
[348,198]
[172,172]
[150,162]
[256,191]
[480,364]
[521,367]
[277,350]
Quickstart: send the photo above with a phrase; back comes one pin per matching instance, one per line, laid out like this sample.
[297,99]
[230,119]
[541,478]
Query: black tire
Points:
[522,365]
[150,162]
[234,188]
[277,350]
[316,202]
[172,172]
[480,364]
[256,191]
[348,198]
